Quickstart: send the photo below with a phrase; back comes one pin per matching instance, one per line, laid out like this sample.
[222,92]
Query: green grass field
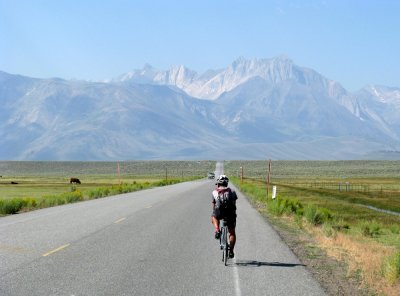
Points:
[31,185]
[322,184]
[329,200]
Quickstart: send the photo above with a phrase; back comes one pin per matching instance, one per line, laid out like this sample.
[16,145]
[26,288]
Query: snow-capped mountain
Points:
[253,109]
[212,84]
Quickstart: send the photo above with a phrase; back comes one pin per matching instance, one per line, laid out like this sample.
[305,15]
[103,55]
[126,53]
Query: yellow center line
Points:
[55,250]
[13,249]
[120,220]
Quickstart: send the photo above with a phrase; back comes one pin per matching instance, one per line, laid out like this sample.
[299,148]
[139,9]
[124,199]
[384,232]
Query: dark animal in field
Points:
[74,180]
[12,182]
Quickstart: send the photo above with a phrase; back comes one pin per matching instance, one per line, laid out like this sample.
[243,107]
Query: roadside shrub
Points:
[61,199]
[276,207]
[326,214]
[105,191]
[50,201]
[289,206]
[94,193]
[340,225]
[167,182]
[370,228]
[71,197]
[310,215]
[99,192]
[395,229]
[293,206]
[313,216]
[317,216]
[391,268]
[29,202]
[11,206]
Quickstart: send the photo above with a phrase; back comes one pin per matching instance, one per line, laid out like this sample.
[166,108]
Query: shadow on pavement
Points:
[253,263]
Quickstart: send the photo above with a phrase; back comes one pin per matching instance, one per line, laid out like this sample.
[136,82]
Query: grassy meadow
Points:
[31,185]
[340,204]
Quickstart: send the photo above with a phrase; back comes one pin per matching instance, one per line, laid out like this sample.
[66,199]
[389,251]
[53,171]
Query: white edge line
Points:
[238,292]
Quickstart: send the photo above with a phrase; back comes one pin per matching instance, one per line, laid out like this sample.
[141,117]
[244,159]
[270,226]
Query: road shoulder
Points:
[332,274]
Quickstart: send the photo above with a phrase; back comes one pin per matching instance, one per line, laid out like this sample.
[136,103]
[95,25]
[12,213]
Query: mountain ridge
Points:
[252,109]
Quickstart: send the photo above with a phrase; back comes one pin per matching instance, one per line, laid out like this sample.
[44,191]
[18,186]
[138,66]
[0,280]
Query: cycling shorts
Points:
[230,218]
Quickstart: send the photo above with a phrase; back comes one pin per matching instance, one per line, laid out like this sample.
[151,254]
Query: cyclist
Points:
[226,210]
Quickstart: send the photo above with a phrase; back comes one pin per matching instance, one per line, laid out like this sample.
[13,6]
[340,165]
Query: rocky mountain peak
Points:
[250,108]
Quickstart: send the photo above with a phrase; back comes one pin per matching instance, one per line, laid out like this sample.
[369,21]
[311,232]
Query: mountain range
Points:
[252,109]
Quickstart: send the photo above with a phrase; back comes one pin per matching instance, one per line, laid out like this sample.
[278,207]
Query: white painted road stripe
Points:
[236,281]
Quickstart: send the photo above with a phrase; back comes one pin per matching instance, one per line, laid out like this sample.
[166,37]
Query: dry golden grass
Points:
[361,255]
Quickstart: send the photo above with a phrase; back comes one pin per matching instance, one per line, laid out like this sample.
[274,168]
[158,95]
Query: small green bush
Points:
[313,216]
[167,182]
[11,206]
[326,214]
[288,206]
[293,206]
[50,201]
[309,214]
[395,229]
[370,228]
[30,202]
[99,192]
[61,199]
[70,197]
[276,207]
[340,225]
[317,216]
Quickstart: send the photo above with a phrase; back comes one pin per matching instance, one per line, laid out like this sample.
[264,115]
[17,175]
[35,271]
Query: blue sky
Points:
[355,42]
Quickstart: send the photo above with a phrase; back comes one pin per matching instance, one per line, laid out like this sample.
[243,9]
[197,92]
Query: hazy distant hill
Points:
[253,109]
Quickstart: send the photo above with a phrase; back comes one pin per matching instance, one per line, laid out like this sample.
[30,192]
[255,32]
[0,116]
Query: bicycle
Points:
[224,241]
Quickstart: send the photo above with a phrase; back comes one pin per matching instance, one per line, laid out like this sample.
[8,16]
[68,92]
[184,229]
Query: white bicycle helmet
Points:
[222,180]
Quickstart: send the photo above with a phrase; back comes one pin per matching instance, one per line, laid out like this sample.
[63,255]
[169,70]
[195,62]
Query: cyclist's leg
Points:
[232,232]
[232,238]
[215,222]
[232,241]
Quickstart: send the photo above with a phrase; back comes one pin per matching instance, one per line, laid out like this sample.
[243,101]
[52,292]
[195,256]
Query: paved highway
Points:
[153,242]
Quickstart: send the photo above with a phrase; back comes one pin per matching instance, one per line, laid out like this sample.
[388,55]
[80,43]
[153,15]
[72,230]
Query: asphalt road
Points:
[153,242]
